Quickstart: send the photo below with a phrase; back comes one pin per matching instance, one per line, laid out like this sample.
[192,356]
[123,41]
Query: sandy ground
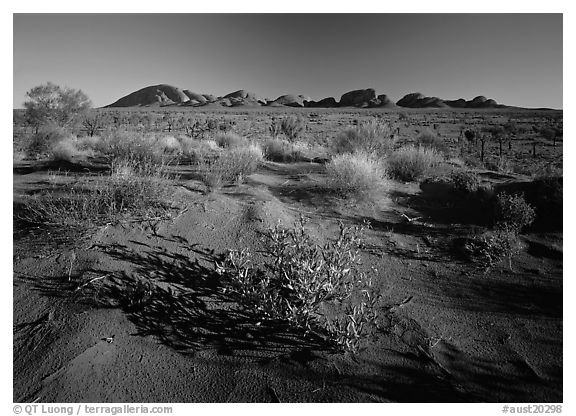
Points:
[463,335]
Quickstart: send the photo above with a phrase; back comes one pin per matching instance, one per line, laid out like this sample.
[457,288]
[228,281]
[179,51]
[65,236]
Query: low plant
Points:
[358,175]
[229,140]
[278,150]
[374,136]
[131,189]
[512,212]
[292,127]
[412,163]
[47,136]
[465,182]
[492,247]
[431,140]
[298,278]
[230,166]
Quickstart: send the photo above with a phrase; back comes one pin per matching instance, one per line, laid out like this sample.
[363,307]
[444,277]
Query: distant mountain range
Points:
[168,95]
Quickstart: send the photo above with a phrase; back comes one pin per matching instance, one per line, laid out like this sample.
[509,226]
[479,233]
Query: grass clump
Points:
[278,150]
[230,166]
[358,175]
[229,140]
[374,136]
[300,278]
[131,189]
[431,140]
[413,163]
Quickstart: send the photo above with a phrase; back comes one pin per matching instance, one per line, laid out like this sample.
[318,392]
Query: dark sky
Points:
[514,58]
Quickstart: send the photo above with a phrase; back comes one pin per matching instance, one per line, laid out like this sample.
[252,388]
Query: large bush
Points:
[50,103]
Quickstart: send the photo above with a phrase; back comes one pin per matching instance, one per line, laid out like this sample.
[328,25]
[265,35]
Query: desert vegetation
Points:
[343,231]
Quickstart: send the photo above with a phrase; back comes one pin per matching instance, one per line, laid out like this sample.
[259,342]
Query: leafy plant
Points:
[299,277]
[465,182]
[512,212]
[492,247]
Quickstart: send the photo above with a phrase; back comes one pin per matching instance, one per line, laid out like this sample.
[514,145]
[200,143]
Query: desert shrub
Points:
[50,103]
[499,164]
[169,145]
[292,127]
[133,146]
[491,248]
[230,166]
[278,150]
[512,212]
[431,140]
[470,135]
[44,140]
[120,144]
[18,156]
[229,139]
[64,150]
[197,150]
[412,163]
[131,189]
[357,175]
[374,136]
[274,128]
[299,278]
[465,182]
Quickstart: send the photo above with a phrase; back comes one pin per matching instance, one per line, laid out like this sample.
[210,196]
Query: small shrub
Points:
[131,146]
[465,182]
[229,140]
[132,188]
[499,164]
[64,150]
[169,145]
[275,128]
[230,166]
[431,140]
[292,127]
[492,247]
[374,136]
[359,175]
[512,212]
[46,138]
[300,277]
[278,150]
[412,163]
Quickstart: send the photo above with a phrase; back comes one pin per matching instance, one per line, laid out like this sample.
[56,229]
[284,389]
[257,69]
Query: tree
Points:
[95,121]
[51,103]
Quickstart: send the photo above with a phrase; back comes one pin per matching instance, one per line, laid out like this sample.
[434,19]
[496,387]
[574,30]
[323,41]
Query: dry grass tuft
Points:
[413,163]
[359,175]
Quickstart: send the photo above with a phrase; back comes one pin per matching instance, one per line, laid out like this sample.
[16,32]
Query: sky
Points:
[515,59]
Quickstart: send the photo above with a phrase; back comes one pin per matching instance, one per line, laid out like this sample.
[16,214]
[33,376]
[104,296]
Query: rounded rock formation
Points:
[357,98]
